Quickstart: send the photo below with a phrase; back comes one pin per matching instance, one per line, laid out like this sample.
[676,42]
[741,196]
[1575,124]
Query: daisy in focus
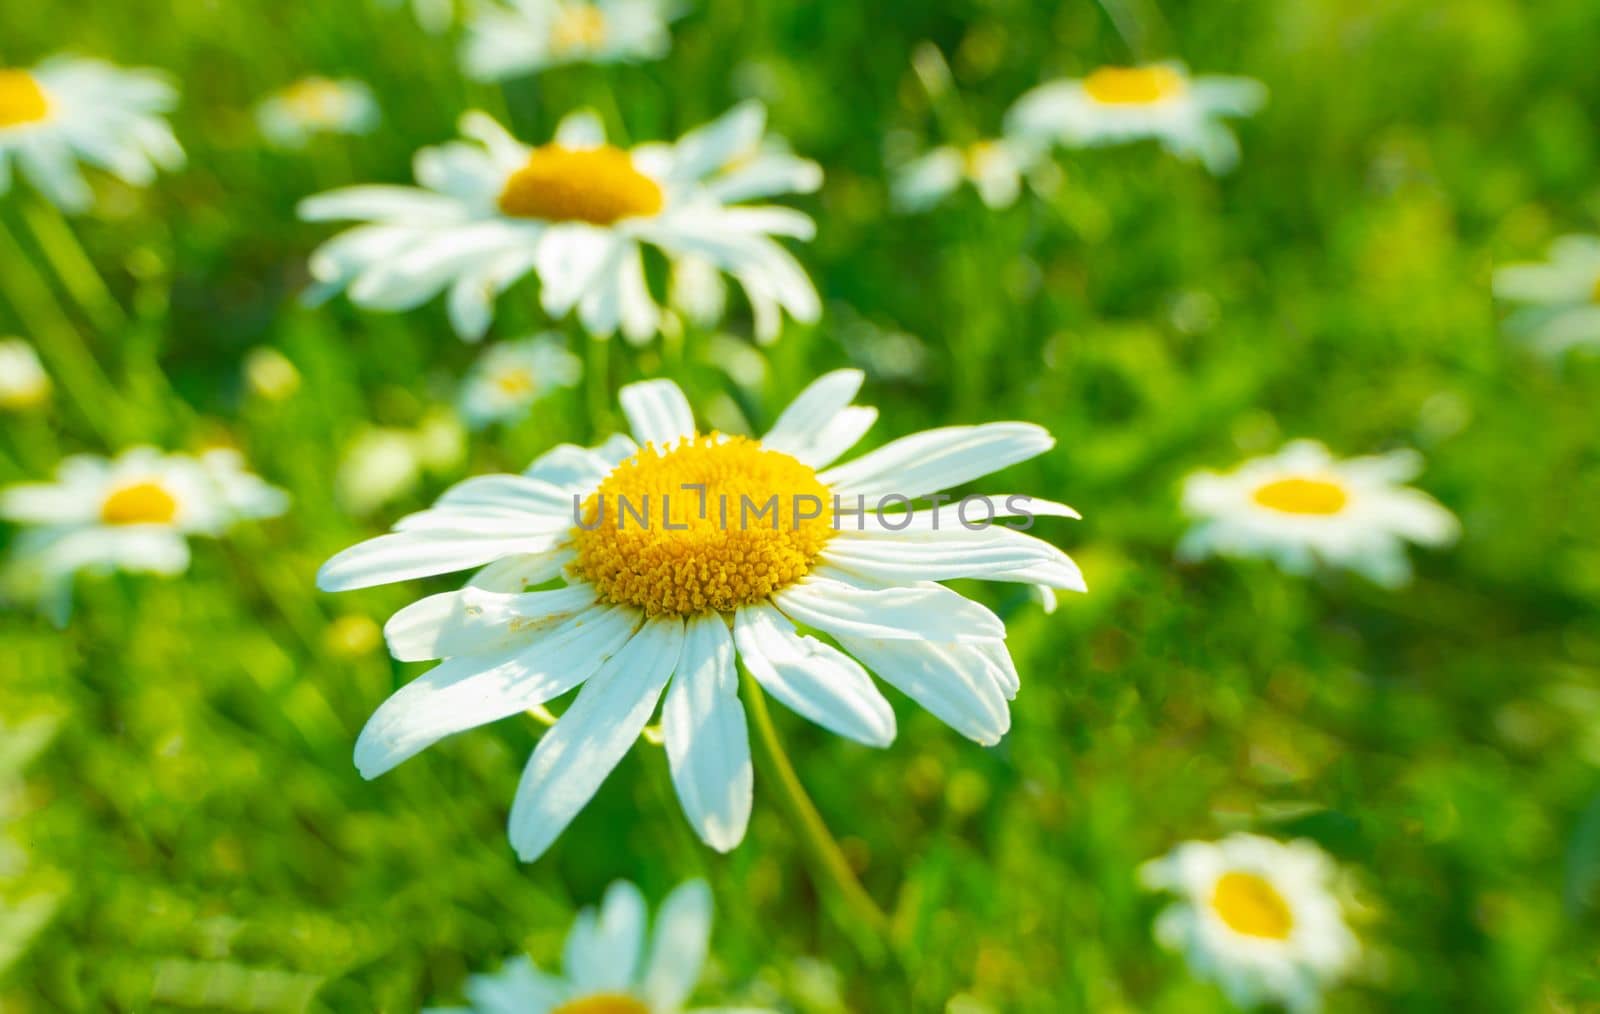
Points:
[611,964]
[1258,917]
[661,608]
[1560,298]
[576,212]
[134,512]
[68,110]
[317,105]
[510,376]
[1301,507]
[505,39]
[1158,101]
[23,382]
[994,168]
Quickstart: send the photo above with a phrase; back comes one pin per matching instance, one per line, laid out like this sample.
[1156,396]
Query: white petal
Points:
[406,555]
[581,129]
[938,459]
[603,950]
[473,690]
[510,492]
[812,411]
[383,203]
[475,620]
[678,946]
[657,412]
[955,682]
[924,611]
[813,679]
[576,755]
[576,469]
[708,743]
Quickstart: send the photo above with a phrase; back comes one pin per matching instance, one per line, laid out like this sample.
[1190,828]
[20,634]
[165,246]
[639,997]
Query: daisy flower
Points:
[69,109]
[1256,916]
[317,105]
[134,512]
[524,36]
[1300,507]
[1560,297]
[510,376]
[611,963]
[23,382]
[576,212]
[1158,101]
[705,578]
[994,168]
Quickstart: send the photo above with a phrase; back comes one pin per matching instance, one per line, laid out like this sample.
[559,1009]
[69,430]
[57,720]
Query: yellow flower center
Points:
[1133,86]
[139,503]
[595,185]
[603,1003]
[1250,905]
[750,522]
[21,99]
[515,383]
[314,99]
[1302,496]
[979,156]
[579,28]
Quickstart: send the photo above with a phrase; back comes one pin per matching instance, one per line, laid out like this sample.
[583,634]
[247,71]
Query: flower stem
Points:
[827,859]
[72,265]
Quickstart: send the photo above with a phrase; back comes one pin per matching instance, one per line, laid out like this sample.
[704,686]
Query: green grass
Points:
[183,827]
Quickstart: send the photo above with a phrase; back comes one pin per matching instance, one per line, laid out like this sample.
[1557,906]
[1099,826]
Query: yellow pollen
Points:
[579,28]
[21,99]
[752,538]
[1302,496]
[314,99]
[1133,86]
[1250,905]
[515,383]
[595,185]
[140,503]
[979,156]
[603,1003]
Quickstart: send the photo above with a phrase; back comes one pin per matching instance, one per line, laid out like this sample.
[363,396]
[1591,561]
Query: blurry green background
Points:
[182,824]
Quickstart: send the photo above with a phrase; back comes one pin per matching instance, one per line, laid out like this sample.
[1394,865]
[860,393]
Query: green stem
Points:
[827,859]
[72,265]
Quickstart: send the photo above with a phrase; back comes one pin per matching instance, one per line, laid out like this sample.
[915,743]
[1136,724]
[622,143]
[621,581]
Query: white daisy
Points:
[1158,101]
[577,212]
[611,963]
[1256,916]
[995,169]
[23,382]
[434,16]
[1560,297]
[523,36]
[69,109]
[134,512]
[510,376]
[1300,507]
[317,105]
[684,594]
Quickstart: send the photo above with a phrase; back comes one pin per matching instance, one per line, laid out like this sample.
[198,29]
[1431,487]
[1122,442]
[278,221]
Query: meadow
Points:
[181,826]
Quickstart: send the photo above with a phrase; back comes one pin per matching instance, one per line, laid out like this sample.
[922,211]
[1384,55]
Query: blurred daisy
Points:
[510,376]
[382,464]
[1157,101]
[611,963]
[317,105]
[994,168]
[434,16]
[685,594]
[69,109]
[134,512]
[1560,297]
[23,382]
[576,212]
[1300,507]
[1258,917]
[523,36]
